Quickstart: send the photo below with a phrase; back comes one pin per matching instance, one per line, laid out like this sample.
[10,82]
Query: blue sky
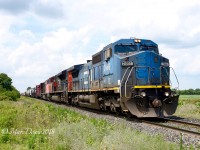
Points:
[40,38]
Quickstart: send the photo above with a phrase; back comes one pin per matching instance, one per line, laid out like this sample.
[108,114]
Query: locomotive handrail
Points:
[176,78]
[127,81]
[122,81]
[168,75]
[166,72]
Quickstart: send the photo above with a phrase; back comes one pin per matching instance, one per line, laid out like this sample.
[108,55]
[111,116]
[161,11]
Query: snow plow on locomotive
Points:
[128,76]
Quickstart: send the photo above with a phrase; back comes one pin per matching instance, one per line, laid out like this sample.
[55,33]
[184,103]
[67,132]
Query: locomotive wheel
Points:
[118,111]
[102,106]
[128,114]
[112,107]
[107,109]
[69,101]
[73,102]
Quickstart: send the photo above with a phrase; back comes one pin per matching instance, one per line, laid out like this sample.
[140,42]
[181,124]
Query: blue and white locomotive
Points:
[128,76]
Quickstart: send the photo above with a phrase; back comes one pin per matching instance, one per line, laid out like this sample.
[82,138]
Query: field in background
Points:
[189,106]
[30,124]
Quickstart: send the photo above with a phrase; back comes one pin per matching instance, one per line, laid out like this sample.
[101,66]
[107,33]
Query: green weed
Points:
[189,106]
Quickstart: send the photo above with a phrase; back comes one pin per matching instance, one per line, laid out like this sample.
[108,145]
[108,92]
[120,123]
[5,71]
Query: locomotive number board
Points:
[127,63]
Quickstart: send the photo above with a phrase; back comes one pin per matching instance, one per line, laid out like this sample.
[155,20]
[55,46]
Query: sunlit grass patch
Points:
[189,106]
[126,138]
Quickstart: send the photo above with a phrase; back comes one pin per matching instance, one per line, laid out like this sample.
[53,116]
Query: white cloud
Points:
[44,37]
[27,34]
[56,51]
[48,8]
[184,61]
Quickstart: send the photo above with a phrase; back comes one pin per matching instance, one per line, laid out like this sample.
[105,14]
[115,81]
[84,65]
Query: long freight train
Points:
[128,76]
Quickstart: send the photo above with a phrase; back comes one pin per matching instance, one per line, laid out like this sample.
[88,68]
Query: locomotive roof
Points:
[107,46]
[128,41]
[75,67]
[133,41]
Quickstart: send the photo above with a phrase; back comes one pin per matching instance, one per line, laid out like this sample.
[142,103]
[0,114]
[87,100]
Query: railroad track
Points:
[179,128]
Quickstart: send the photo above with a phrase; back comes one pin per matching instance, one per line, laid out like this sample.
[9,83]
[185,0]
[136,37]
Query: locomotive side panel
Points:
[97,81]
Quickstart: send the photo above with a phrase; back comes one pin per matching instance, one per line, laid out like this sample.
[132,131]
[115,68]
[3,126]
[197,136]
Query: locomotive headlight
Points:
[143,94]
[166,94]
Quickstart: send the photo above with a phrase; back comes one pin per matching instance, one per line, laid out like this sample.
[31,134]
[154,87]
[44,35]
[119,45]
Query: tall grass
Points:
[189,106]
[30,124]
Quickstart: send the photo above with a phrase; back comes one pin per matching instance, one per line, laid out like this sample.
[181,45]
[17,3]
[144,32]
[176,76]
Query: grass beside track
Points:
[189,106]
[29,124]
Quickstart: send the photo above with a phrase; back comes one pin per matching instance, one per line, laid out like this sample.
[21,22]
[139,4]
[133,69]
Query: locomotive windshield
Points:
[149,48]
[125,48]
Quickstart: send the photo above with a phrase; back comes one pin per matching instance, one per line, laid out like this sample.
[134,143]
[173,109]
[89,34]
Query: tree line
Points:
[7,90]
[190,92]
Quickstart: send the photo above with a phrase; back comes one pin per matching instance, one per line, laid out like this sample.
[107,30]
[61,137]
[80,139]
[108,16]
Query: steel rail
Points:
[182,122]
[172,127]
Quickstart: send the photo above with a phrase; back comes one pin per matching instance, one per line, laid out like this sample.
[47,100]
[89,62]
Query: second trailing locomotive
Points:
[128,76]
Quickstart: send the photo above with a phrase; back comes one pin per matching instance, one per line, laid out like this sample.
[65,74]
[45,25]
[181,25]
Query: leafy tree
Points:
[5,81]
[197,91]
[7,91]
[190,92]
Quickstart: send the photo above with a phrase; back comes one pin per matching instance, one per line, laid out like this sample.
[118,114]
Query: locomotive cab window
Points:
[125,48]
[149,48]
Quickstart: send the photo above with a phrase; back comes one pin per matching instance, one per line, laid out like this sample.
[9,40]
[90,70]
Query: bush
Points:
[17,92]
[13,95]
[7,91]
[4,97]
[8,116]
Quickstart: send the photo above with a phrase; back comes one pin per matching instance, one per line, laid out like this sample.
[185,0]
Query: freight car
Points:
[128,76]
